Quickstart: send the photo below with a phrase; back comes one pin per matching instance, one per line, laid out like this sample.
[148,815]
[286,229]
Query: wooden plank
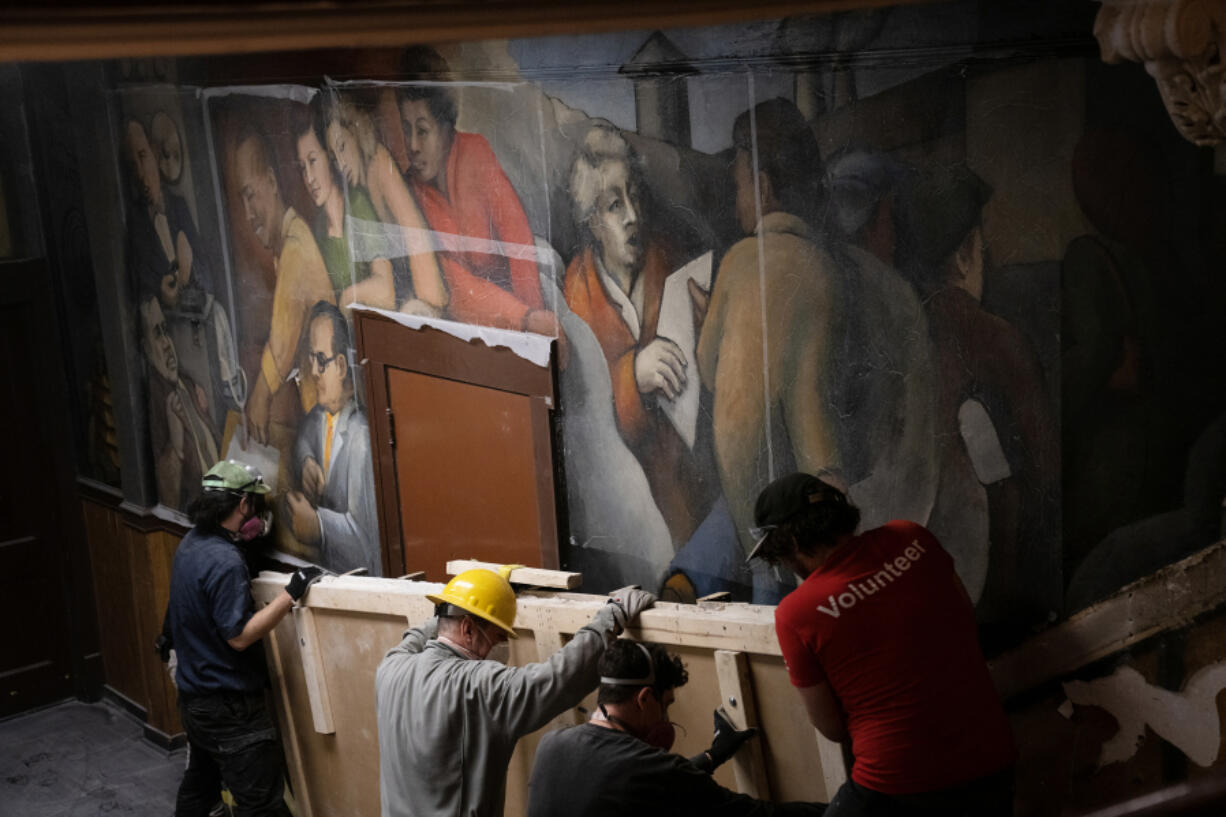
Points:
[741,707]
[358,618]
[1167,599]
[51,32]
[745,628]
[110,554]
[313,670]
[531,576]
[293,749]
[547,643]
[834,770]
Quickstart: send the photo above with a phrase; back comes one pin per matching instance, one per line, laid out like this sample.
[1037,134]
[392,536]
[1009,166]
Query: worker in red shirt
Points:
[880,642]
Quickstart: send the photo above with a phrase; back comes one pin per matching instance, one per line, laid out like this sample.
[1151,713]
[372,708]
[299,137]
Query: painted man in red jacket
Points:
[615,284]
[487,247]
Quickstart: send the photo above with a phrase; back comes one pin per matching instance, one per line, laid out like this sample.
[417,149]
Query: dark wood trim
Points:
[1204,797]
[98,493]
[157,737]
[169,743]
[374,381]
[38,32]
[542,450]
[146,521]
[125,703]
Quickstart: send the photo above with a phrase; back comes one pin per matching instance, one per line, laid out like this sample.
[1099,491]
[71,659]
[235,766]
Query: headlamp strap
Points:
[646,681]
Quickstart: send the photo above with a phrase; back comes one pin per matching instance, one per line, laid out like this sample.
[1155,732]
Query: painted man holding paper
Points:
[616,283]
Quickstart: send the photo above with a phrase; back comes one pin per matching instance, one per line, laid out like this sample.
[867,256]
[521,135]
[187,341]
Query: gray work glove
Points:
[623,608]
[627,603]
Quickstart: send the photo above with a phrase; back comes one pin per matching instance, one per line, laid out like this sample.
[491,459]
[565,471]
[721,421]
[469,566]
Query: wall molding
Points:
[1181,44]
[1167,599]
[41,33]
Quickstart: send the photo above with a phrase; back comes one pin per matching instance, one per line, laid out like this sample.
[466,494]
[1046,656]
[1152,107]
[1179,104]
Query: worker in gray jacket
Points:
[449,717]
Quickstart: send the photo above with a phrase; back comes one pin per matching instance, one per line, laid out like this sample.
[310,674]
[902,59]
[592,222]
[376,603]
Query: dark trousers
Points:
[990,796]
[232,739]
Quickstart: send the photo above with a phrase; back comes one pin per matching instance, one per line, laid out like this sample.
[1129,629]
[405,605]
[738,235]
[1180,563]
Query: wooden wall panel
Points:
[152,577]
[131,557]
[111,558]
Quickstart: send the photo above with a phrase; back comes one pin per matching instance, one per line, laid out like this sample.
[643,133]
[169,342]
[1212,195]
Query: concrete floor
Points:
[84,760]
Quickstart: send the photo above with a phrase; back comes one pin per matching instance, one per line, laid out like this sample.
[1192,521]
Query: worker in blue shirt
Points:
[216,632]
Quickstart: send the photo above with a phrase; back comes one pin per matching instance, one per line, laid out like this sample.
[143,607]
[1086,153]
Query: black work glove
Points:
[301,580]
[727,740]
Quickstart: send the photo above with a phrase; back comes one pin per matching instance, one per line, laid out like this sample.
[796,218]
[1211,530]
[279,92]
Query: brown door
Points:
[35,603]
[463,454]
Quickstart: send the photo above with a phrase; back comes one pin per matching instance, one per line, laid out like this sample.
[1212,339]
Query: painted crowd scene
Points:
[900,277]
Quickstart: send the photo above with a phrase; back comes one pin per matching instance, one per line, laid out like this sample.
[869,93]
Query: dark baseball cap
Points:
[783,499]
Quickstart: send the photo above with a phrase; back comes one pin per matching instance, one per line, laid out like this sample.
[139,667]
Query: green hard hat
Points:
[232,475]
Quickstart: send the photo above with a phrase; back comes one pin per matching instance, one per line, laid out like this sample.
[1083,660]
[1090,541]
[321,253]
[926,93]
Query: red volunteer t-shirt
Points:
[885,624]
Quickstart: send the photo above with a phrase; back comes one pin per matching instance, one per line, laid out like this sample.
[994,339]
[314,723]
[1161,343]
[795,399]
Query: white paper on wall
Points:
[677,324]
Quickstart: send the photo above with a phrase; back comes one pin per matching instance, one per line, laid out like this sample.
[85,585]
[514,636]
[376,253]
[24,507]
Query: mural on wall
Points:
[751,266]
[180,303]
[299,421]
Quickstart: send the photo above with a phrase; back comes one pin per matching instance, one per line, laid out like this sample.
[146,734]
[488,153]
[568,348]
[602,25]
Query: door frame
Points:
[76,669]
[382,344]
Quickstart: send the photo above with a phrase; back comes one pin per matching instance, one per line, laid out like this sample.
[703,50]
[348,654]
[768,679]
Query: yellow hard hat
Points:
[483,593]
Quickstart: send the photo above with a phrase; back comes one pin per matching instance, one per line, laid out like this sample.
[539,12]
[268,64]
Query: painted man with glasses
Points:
[335,509]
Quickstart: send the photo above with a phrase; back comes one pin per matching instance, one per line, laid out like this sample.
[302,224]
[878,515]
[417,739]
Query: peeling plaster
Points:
[1188,720]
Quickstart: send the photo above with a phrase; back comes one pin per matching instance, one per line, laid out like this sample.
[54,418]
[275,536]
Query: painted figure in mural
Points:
[217,635]
[162,239]
[368,282]
[997,446]
[167,256]
[887,427]
[881,644]
[184,444]
[489,250]
[367,165]
[1120,374]
[615,284]
[301,276]
[169,147]
[778,416]
[335,510]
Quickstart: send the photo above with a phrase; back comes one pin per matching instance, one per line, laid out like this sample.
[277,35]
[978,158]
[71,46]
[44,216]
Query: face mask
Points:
[661,735]
[255,527]
[499,652]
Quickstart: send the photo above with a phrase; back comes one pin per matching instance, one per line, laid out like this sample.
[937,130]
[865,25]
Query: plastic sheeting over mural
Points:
[733,295]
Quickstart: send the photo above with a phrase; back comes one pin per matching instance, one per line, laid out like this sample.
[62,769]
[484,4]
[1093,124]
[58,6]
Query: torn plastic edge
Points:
[530,346]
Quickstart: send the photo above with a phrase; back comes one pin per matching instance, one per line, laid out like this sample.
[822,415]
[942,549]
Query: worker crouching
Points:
[621,759]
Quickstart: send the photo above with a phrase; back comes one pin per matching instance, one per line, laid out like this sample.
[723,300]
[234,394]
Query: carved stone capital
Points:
[1181,43]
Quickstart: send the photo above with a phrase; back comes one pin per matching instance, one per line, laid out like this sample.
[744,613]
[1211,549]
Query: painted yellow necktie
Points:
[328,441]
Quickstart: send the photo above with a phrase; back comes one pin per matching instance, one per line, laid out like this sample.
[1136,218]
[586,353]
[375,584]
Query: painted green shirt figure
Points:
[343,271]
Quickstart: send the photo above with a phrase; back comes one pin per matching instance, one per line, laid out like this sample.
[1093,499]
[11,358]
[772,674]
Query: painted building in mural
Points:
[752,263]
